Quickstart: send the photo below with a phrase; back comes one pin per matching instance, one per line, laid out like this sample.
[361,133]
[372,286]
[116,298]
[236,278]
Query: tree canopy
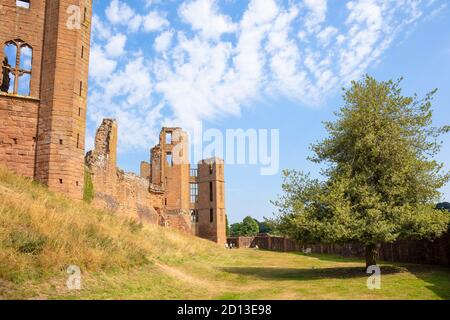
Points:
[248,227]
[380,179]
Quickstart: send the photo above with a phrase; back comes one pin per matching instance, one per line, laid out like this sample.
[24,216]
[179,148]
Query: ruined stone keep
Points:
[43,106]
[169,191]
[43,90]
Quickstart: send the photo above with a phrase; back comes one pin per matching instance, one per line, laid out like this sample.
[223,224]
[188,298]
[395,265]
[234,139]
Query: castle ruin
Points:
[43,106]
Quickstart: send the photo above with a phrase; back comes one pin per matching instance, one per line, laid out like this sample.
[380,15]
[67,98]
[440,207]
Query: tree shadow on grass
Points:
[436,277]
[281,274]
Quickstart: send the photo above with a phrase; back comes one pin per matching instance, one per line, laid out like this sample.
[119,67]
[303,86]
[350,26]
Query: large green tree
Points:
[380,179]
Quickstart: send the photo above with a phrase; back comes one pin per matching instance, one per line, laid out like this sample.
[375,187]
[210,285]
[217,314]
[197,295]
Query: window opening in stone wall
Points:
[169,137]
[23,3]
[211,191]
[194,215]
[194,192]
[211,215]
[16,68]
[169,159]
[194,171]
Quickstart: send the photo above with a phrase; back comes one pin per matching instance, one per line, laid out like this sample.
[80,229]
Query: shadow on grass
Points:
[437,278]
[307,274]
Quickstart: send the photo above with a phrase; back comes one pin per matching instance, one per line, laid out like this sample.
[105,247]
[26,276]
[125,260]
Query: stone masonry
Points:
[42,129]
[43,106]
[164,192]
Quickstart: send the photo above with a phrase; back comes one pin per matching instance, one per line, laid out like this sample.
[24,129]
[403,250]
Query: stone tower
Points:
[210,205]
[195,193]
[43,98]
[170,164]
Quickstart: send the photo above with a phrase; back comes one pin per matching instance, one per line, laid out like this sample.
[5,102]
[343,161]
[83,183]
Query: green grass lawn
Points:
[249,274]
[42,233]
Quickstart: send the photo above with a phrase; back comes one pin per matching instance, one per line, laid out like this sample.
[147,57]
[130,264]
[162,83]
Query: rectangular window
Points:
[211,215]
[23,3]
[81,88]
[211,198]
[194,215]
[169,137]
[194,192]
[82,51]
[169,159]
[78,140]
[211,169]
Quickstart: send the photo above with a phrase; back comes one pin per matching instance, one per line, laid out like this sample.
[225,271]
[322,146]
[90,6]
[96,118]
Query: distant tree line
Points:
[443,206]
[248,227]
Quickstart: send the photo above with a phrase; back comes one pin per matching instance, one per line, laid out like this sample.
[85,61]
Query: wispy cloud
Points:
[205,63]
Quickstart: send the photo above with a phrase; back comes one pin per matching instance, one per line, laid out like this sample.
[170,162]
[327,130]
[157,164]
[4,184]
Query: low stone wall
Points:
[265,242]
[435,252]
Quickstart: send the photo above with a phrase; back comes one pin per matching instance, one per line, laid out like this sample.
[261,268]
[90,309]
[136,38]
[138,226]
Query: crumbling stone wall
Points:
[124,193]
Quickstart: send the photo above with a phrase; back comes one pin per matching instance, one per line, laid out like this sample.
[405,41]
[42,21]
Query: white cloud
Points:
[119,12]
[100,67]
[203,16]
[326,34]
[317,13]
[154,22]
[116,45]
[163,41]
[194,73]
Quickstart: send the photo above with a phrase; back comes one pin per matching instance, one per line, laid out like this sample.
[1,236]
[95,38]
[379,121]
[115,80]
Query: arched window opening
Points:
[16,68]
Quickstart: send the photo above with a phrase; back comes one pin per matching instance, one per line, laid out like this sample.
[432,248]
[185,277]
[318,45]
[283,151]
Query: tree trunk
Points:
[371,255]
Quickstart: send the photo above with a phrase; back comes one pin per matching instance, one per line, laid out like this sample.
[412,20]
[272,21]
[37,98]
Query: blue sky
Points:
[259,64]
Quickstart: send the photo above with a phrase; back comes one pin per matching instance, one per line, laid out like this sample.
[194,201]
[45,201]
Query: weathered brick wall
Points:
[180,221]
[411,251]
[435,252]
[18,115]
[211,200]
[124,193]
[18,122]
[62,113]
[42,135]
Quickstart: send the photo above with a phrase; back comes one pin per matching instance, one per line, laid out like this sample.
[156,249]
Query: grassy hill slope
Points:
[41,234]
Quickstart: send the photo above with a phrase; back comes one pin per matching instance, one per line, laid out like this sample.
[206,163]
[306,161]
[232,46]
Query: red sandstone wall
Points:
[211,171]
[18,116]
[61,127]
[18,121]
[124,193]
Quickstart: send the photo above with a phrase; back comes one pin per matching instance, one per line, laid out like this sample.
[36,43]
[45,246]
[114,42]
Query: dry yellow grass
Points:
[42,233]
